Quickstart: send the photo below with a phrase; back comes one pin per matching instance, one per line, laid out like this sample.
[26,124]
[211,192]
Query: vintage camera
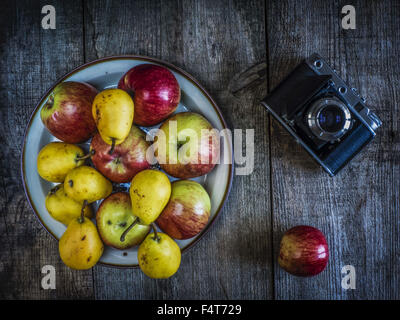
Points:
[326,116]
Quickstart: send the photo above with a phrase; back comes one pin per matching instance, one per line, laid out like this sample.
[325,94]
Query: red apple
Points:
[200,151]
[156,93]
[303,251]
[67,113]
[126,161]
[187,211]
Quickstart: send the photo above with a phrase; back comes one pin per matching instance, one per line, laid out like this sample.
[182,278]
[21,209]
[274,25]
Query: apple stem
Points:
[134,223]
[112,146]
[50,101]
[156,237]
[91,153]
[82,218]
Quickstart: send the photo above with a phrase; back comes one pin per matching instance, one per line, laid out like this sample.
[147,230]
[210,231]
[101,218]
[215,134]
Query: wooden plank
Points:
[358,210]
[31,59]
[214,41]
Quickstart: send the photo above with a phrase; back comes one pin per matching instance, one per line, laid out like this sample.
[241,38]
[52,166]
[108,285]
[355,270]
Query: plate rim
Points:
[145,59]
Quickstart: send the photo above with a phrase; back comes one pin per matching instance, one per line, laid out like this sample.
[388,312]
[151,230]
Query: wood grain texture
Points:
[358,210]
[212,40]
[31,59]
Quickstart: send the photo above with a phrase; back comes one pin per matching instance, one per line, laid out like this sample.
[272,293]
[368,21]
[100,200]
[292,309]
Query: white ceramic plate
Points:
[105,73]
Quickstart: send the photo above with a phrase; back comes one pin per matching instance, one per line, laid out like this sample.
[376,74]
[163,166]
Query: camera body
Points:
[325,115]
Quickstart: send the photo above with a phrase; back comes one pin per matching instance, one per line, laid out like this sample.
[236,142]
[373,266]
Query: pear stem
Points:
[91,153]
[112,146]
[82,217]
[134,223]
[156,237]
[55,189]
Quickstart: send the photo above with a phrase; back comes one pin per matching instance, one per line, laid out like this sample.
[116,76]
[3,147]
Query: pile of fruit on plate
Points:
[120,152]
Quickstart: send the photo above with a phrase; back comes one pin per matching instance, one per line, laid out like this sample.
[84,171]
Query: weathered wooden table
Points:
[217,41]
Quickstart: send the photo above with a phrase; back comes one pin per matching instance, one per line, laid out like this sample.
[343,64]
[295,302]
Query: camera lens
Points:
[329,118]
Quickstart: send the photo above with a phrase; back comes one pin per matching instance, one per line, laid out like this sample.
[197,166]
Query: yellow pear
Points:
[57,158]
[112,111]
[80,246]
[159,256]
[150,191]
[86,184]
[63,208]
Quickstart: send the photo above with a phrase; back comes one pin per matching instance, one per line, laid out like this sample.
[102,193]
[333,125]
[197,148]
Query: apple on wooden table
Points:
[303,251]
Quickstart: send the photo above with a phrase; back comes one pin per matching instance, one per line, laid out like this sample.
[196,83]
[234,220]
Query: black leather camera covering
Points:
[295,91]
